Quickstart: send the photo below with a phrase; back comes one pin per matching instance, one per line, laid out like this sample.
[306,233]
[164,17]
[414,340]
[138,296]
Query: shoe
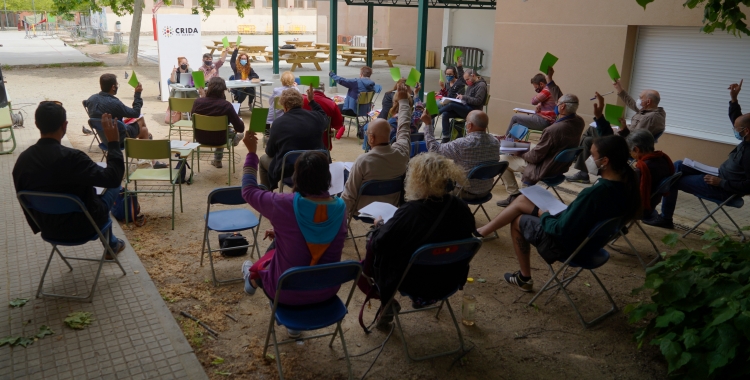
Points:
[581,177]
[249,289]
[150,136]
[217,164]
[445,140]
[293,334]
[86,131]
[507,201]
[387,317]
[659,221]
[237,138]
[515,279]
[159,165]
[119,247]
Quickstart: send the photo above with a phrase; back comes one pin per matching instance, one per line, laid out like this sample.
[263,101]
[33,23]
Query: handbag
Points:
[134,209]
[229,241]
[172,116]
[182,166]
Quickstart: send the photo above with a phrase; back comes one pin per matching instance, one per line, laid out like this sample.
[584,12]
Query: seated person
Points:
[211,69]
[603,128]
[242,71]
[615,194]
[333,112]
[301,238]
[351,105]
[52,167]
[213,102]
[287,82]
[384,161]
[296,129]
[734,173]
[547,94]
[476,148]
[390,111]
[455,85]
[476,95]
[539,162]
[430,215]
[648,116]
[106,102]
[652,167]
[182,68]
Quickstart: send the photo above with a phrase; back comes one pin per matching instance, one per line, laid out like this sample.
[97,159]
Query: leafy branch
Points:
[718,14]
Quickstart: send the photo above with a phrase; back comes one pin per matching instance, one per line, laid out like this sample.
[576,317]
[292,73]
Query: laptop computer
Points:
[186,79]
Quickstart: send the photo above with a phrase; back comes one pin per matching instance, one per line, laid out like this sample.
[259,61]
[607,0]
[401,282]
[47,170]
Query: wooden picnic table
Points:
[327,47]
[299,56]
[253,50]
[300,43]
[378,54]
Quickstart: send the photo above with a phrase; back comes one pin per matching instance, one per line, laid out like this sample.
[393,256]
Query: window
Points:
[312,3]
[299,3]
[232,4]
[178,3]
[266,3]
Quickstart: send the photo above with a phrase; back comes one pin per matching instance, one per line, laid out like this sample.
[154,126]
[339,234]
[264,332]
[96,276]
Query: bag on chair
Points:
[172,116]
[183,170]
[231,240]
[134,209]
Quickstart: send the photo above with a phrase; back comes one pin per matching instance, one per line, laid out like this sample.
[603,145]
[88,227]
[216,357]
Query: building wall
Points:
[587,36]
[463,32]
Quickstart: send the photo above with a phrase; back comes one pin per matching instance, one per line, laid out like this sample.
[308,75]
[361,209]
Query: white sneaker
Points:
[237,138]
[249,289]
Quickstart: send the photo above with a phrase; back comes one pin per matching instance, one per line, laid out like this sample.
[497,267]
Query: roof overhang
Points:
[454,4]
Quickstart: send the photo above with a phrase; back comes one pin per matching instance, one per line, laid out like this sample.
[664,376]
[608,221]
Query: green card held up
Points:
[413,78]
[133,80]
[442,76]
[613,113]
[225,41]
[258,120]
[312,81]
[199,79]
[432,107]
[396,74]
[613,73]
[239,38]
[548,61]
[457,54]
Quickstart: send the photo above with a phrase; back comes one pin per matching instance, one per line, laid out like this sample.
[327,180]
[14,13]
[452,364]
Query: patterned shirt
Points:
[210,72]
[474,149]
[545,105]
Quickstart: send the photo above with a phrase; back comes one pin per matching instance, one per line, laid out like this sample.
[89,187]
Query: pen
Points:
[611,92]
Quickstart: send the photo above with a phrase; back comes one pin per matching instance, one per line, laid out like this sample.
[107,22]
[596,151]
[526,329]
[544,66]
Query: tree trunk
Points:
[135,33]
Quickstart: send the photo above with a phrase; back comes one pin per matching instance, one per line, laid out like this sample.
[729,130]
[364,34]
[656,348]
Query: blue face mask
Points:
[243,62]
[557,111]
[449,78]
[738,135]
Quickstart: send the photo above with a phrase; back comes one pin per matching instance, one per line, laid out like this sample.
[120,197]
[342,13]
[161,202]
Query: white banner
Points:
[178,36]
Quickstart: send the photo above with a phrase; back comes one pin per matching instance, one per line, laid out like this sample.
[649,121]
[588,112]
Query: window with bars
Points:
[299,3]
[312,3]
[178,3]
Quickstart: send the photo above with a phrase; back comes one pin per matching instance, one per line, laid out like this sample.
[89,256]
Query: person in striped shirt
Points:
[547,93]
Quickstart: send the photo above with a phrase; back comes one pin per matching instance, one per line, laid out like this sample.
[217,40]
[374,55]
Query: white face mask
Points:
[591,166]
[638,103]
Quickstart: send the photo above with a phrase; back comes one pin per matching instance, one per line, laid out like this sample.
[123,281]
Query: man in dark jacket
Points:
[473,99]
[106,102]
[49,166]
[296,129]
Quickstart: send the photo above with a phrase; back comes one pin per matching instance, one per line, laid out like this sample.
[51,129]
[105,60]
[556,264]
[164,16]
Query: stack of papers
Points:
[508,146]
[378,209]
[337,177]
[544,199]
[236,107]
[701,167]
[452,99]
[524,110]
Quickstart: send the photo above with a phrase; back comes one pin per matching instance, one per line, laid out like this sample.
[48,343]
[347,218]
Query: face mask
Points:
[116,88]
[638,104]
[591,166]
[183,66]
[557,110]
[207,63]
[243,62]
[470,82]
[738,135]
[449,78]
[538,89]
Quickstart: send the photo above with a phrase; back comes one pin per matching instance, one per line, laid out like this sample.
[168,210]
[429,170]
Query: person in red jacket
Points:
[333,112]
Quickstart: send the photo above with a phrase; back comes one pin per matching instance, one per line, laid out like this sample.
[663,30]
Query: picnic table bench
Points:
[326,47]
[299,56]
[300,44]
[378,54]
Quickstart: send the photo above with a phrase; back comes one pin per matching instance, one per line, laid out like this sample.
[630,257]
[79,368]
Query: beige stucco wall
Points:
[587,36]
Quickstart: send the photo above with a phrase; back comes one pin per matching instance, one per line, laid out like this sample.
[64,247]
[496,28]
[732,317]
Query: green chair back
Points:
[365,97]
[5,120]
[210,123]
[147,149]
[277,104]
[181,104]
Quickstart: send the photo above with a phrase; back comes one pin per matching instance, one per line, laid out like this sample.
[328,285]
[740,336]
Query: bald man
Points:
[476,148]
[384,161]
[648,115]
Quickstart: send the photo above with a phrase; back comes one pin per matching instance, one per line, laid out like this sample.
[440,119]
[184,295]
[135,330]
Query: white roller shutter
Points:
[692,71]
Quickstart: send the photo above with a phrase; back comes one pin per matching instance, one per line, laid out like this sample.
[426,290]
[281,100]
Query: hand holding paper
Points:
[613,73]
[457,54]
[225,41]
[258,120]
[133,80]
[613,113]
[413,78]
[431,104]
[312,81]
[396,73]
[199,79]
[239,38]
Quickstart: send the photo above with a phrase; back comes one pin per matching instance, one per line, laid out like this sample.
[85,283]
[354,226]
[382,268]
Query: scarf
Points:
[243,70]
[319,223]
[646,176]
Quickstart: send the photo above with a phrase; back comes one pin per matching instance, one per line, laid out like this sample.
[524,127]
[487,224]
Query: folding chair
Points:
[378,89]
[292,156]
[365,98]
[215,124]
[485,172]
[567,156]
[448,253]
[519,132]
[664,187]
[151,150]
[735,201]
[589,255]
[458,128]
[58,204]
[232,220]
[96,136]
[374,188]
[181,105]
[313,316]
[6,125]
[96,126]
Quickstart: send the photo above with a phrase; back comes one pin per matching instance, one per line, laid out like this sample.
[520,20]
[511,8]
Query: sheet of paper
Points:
[312,81]
[524,110]
[701,167]
[199,79]
[258,120]
[458,53]
[225,41]
[177,144]
[348,165]
[613,113]
[100,190]
[239,38]
[413,78]
[381,209]
[514,144]
[431,105]
[451,99]
[133,80]
[544,199]
[548,61]
[396,73]
[337,177]
[613,73]
[236,107]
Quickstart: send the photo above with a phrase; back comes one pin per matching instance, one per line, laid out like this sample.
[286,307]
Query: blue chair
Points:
[314,316]
[232,220]
[96,126]
[519,132]
[589,255]
[374,188]
[567,156]
[449,253]
[291,157]
[735,201]
[417,147]
[364,106]
[59,204]
[485,172]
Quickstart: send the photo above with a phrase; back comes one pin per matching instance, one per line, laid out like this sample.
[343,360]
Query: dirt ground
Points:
[509,340]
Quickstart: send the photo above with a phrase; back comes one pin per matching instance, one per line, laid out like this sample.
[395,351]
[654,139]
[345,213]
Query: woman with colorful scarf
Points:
[242,71]
[652,166]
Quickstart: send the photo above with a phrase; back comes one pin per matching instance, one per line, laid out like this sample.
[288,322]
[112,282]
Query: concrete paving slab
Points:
[18,50]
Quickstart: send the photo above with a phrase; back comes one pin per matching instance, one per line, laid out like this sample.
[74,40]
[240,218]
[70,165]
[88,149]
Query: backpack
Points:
[183,171]
[231,240]
[134,209]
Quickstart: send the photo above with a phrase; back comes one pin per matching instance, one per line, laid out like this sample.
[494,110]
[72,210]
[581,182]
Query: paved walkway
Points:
[134,335]
[41,50]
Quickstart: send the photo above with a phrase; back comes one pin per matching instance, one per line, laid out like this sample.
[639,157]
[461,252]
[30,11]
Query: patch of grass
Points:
[118,49]
[91,41]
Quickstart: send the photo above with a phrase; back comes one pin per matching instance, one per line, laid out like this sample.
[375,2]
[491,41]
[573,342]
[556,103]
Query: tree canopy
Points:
[25,5]
[724,15]
[123,7]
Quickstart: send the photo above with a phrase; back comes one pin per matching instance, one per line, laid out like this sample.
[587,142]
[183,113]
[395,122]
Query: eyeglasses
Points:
[52,101]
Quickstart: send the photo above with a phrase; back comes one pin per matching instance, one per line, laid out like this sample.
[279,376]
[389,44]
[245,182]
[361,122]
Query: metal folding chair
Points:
[567,156]
[449,253]
[96,126]
[313,316]
[58,204]
[373,188]
[735,201]
[96,136]
[519,132]
[232,220]
[291,156]
[485,172]
[589,255]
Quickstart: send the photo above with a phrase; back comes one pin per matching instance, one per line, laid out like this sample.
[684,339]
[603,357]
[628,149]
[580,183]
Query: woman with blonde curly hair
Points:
[243,71]
[429,215]
[287,82]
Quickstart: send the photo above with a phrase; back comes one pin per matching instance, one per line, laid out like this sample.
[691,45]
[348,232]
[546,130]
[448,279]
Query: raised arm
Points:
[403,134]
[554,90]
[449,149]
[735,110]
[262,200]
[233,60]
[86,172]
[629,102]
[348,83]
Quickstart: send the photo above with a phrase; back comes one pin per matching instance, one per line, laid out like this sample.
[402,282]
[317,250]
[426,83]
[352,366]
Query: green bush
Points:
[699,314]
[117,49]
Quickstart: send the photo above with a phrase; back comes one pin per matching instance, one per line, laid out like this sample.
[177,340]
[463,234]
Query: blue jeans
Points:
[450,111]
[108,197]
[691,182]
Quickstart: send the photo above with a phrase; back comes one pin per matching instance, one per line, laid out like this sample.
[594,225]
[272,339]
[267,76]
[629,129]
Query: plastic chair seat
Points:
[183,123]
[71,243]
[590,261]
[311,317]
[154,175]
[223,146]
[554,181]
[232,220]
[737,202]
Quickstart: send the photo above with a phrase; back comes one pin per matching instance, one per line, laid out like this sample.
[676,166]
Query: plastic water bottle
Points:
[469,304]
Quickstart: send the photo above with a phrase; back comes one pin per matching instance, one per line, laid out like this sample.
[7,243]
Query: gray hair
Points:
[571,103]
[470,71]
[641,138]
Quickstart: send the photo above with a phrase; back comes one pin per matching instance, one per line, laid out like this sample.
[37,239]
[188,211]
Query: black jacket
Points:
[103,102]
[238,76]
[735,171]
